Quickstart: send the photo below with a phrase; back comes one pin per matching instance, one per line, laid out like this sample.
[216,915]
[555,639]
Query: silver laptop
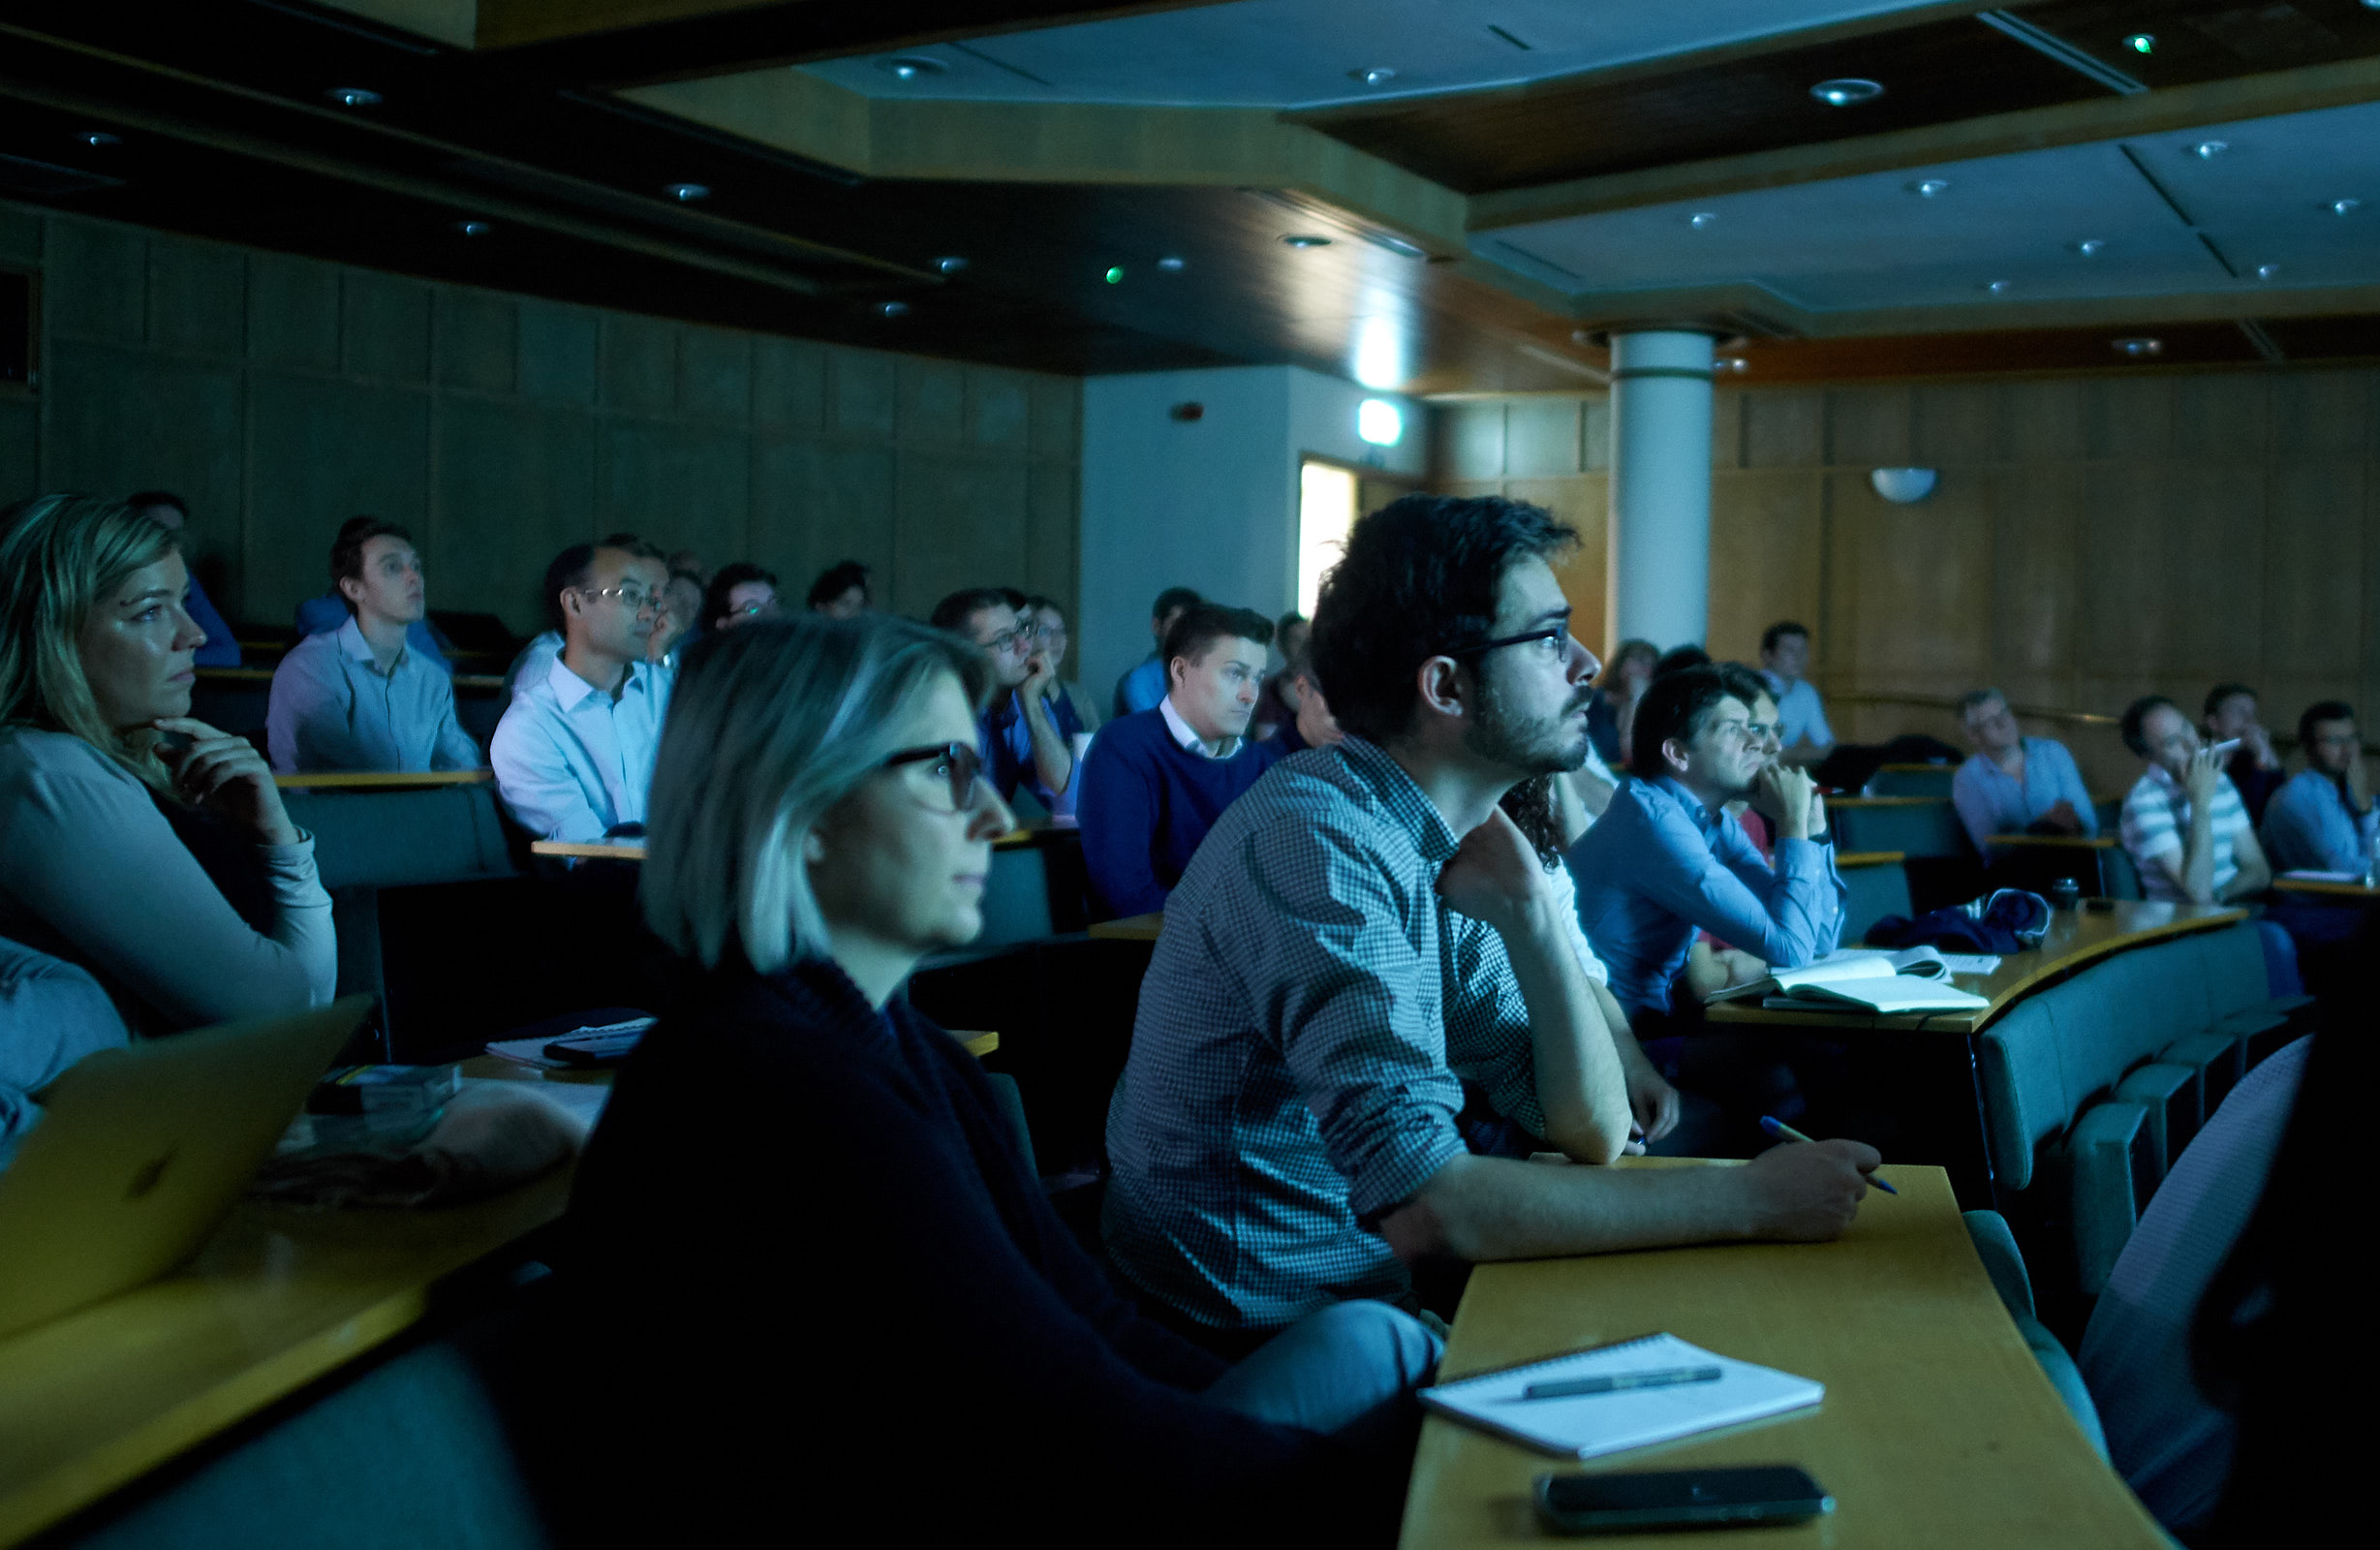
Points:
[143,1151]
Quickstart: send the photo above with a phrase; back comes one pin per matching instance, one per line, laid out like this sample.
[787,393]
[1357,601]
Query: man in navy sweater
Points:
[1155,782]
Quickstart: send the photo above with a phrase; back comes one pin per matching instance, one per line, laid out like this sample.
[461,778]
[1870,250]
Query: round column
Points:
[1660,502]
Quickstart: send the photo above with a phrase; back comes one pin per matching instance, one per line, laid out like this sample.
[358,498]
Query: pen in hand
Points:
[1787,1132]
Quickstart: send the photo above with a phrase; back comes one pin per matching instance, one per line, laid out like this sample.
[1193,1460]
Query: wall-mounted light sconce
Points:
[1379,422]
[1902,486]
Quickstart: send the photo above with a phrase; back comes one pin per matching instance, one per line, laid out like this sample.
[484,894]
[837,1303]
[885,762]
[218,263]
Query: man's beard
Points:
[1529,747]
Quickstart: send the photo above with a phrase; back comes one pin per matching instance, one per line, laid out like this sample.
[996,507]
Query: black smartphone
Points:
[1753,1497]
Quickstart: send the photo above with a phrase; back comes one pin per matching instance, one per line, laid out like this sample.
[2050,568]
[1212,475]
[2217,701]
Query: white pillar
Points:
[1660,512]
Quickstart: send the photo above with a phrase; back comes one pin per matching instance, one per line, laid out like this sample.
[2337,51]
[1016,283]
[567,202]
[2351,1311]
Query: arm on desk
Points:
[2255,873]
[1483,1208]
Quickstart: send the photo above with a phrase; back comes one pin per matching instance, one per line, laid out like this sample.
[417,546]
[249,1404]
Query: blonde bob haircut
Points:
[770,726]
[59,556]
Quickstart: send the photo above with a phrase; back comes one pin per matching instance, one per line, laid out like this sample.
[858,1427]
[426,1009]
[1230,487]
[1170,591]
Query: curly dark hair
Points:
[1419,580]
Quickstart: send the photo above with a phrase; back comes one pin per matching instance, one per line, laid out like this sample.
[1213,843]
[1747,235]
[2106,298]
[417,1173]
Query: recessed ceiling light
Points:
[1929,188]
[2266,272]
[1305,239]
[687,192]
[2000,288]
[2090,247]
[474,228]
[951,264]
[352,96]
[892,309]
[1848,91]
[2207,151]
[1171,265]
[96,138]
[2142,43]
[2139,349]
[1701,219]
[909,67]
[1376,76]
[2345,206]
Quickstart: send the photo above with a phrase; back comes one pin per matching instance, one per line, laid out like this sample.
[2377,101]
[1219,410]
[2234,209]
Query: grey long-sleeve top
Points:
[91,872]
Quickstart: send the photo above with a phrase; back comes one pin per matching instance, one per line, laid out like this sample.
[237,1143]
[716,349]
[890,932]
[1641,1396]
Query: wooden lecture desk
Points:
[2346,892]
[1938,1427]
[1914,1075]
[1131,928]
[1039,833]
[382,780]
[572,850]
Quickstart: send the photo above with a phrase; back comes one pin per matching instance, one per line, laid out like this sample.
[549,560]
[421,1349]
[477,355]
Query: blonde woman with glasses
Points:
[808,1244]
[146,846]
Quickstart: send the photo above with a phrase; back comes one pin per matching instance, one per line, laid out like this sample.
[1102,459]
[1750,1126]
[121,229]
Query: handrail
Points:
[2077,718]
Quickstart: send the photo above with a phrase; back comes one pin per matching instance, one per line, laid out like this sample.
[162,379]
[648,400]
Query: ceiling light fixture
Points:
[909,67]
[474,228]
[1848,91]
[2207,151]
[1171,265]
[2090,247]
[1376,76]
[97,137]
[892,309]
[2142,43]
[1305,239]
[1701,220]
[2345,206]
[950,266]
[1379,422]
[1929,188]
[2266,272]
[2000,288]
[687,192]
[2139,349]
[352,96]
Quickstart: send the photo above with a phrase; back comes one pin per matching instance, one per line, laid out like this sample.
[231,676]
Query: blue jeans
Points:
[1332,1368]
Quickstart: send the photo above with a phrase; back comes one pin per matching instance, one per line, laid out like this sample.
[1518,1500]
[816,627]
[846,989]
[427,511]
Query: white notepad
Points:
[1592,1425]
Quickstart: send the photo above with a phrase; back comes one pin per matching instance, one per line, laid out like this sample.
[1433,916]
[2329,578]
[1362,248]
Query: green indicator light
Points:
[2142,43]
[1115,276]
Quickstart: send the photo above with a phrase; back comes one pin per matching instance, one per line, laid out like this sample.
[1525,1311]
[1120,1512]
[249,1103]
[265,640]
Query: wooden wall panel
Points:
[281,395]
[2037,585]
[1584,501]
[1768,538]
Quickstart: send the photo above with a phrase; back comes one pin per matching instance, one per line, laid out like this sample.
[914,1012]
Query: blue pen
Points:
[1787,1132]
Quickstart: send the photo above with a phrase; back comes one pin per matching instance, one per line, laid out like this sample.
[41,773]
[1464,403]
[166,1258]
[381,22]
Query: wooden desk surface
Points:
[1859,859]
[1040,831]
[2071,842]
[275,1300]
[1938,1427]
[2326,887]
[1834,802]
[382,780]
[1131,928]
[2075,938]
[574,851]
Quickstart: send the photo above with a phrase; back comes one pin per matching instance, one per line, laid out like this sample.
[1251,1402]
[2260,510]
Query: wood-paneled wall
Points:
[281,395]
[2091,538]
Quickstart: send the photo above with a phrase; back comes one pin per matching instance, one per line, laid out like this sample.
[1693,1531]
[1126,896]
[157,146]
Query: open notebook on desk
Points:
[1912,979]
[1590,1425]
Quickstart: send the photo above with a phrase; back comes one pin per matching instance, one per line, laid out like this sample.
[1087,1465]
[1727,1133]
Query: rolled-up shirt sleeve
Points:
[454,749]
[1359,1013]
[1789,917]
[2070,787]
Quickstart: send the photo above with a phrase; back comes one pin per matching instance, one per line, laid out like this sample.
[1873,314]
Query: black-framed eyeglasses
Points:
[958,762]
[1557,635]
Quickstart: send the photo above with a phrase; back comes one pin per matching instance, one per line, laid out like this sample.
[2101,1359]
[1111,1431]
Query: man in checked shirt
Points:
[1363,935]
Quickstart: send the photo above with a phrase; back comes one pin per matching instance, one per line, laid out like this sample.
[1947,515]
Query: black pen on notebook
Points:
[1621,1382]
[1785,1132]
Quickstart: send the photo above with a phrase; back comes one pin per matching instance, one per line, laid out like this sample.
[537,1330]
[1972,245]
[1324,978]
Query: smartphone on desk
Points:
[1765,1495]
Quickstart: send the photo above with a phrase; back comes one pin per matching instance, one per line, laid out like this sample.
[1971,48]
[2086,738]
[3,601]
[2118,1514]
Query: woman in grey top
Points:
[149,848]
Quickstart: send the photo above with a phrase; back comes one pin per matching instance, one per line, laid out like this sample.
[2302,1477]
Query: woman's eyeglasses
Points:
[957,762]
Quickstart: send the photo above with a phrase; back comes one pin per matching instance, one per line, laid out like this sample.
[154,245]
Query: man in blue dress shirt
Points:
[1665,859]
[2015,783]
[1801,715]
[1144,686]
[2322,818]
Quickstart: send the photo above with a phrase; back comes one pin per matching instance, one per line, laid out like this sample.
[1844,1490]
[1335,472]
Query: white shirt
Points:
[1186,735]
[333,708]
[572,762]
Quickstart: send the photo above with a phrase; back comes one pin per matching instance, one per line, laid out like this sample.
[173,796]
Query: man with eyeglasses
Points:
[1367,967]
[1665,859]
[1028,739]
[574,754]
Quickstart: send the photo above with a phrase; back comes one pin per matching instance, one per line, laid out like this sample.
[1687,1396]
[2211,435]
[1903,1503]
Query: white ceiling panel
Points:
[1876,242]
[1308,54]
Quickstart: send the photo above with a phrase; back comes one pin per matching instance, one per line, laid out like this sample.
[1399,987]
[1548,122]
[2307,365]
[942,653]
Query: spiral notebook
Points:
[1592,1425]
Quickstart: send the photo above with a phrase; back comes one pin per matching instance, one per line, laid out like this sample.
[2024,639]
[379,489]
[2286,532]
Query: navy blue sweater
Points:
[1146,802]
[811,1272]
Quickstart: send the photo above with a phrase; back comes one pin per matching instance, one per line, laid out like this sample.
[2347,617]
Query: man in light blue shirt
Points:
[1801,715]
[2014,784]
[360,697]
[574,754]
[323,614]
[1664,860]
[1144,686]
[2323,820]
